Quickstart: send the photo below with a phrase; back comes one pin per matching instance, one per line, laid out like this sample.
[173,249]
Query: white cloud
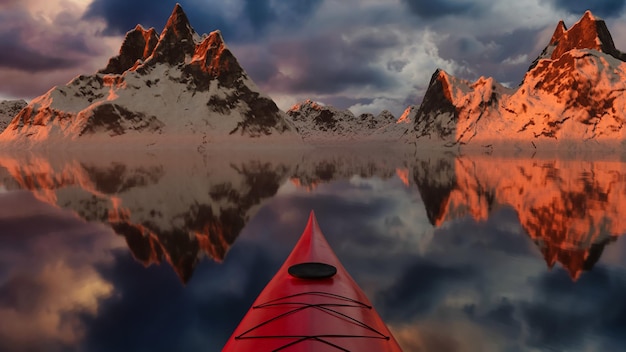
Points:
[54,29]
[517,60]
[419,54]
[378,105]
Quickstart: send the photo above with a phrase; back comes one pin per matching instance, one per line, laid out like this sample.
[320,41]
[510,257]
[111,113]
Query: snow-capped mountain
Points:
[322,123]
[178,87]
[8,110]
[571,97]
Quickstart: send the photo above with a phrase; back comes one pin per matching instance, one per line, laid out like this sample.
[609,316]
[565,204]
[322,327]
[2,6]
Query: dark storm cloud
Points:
[251,23]
[433,9]
[36,224]
[565,311]
[501,317]
[420,288]
[603,8]
[487,54]
[122,16]
[459,256]
[21,214]
[258,62]
[328,64]
[353,212]
[28,44]
[152,311]
[22,293]
[486,236]
[259,12]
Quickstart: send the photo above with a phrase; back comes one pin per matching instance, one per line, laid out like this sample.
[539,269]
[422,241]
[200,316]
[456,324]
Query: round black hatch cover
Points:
[312,270]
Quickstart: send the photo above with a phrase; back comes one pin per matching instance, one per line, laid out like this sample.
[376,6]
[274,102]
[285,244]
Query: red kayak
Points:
[312,304]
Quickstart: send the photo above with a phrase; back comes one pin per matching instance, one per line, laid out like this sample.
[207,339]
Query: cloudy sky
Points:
[366,55]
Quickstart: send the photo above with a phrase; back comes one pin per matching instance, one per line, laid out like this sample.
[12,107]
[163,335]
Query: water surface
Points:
[167,251]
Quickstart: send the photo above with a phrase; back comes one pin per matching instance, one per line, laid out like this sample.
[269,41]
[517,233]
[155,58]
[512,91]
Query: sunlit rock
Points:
[570,98]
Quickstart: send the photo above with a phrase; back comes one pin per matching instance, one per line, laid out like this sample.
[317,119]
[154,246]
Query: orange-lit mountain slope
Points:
[570,98]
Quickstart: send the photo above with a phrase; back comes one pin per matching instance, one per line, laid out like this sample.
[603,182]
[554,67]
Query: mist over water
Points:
[166,251]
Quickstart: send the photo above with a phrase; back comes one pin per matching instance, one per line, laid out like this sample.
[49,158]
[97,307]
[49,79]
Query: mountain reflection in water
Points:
[570,208]
[461,234]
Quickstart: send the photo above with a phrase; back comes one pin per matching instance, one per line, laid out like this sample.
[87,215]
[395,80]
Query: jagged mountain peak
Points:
[386,115]
[559,31]
[590,32]
[437,103]
[178,39]
[178,22]
[308,104]
[137,46]
[213,57]
[216,37]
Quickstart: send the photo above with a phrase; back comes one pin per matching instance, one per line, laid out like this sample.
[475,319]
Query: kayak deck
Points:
[312,304]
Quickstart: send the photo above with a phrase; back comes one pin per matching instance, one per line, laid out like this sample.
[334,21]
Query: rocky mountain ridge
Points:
[322,123]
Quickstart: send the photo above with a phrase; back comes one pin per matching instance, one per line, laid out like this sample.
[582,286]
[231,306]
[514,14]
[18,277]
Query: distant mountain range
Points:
[189,89]
[320,123]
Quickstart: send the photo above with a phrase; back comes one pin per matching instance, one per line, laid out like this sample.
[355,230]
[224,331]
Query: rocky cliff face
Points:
[177,86]
[8,110]
[452,108]
[319,123]
[571,97]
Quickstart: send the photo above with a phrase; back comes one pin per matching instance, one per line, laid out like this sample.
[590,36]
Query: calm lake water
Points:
[167,251]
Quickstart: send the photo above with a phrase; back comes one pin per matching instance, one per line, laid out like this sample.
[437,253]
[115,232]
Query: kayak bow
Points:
[312,304]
